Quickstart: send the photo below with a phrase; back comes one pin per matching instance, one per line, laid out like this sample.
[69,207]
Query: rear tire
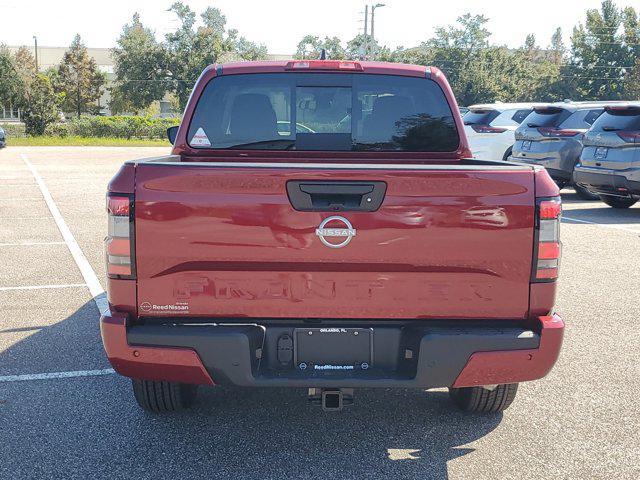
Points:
[618,202]
[159,397]
[507,154]
[585,194]
[481,400]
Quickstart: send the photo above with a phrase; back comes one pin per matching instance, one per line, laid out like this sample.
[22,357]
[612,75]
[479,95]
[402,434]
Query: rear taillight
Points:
[119,241]
[488,129]
[557,132]
[629,136]
[548,248]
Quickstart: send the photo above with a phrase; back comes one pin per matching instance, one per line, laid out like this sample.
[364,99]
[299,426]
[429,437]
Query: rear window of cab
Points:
[627,119]
[582,119]
[480,117]
[562,118]
[323,111]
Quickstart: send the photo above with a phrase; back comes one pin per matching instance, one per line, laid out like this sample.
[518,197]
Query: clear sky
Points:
[280,24]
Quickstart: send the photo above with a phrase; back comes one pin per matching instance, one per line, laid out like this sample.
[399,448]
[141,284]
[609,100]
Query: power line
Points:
[581,67]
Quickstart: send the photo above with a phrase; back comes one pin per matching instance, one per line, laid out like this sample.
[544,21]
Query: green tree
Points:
[457,49]
[480,72]
[334,48]
[25,64]
[535,70]
[362,46]
[39,107]
[12,86]
[557,50]
[139,68]
[189,49]
[310,47]
[530,46]
[631,84]
[79,79]
[239,48]
[215,20]
[147,70]
[600,53]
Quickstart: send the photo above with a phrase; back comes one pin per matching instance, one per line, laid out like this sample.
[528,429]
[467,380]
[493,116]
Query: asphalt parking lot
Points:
[582,421]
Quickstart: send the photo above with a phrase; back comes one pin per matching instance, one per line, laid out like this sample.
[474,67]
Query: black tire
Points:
[561,183]
[162,397]
[507,154]
[481,400]
[585,194]
[618,202]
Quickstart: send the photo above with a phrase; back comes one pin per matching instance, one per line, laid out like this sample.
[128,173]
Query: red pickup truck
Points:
[319,225]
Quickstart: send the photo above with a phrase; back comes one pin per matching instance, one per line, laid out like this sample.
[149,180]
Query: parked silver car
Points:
[3,139]
[551,136]
[610,161]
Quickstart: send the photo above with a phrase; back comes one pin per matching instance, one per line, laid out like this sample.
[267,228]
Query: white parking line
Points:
[29,244]
[615,227]
[48,376]
[24,218]
[42,287]
[89,275]
[2,199]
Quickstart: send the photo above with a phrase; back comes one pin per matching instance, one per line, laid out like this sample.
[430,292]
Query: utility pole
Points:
[373,16]
[366,31]
[35,40]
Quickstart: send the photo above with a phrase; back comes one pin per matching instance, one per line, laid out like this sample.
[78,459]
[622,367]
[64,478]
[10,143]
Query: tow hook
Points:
[331,399]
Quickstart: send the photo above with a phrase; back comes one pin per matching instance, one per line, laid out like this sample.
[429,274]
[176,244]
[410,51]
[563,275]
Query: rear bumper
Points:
[149,363]
[491,148]
[418,355]
[607,181]
[559,169]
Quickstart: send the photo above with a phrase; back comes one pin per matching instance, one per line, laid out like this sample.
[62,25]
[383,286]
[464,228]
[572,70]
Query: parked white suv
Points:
[490,128]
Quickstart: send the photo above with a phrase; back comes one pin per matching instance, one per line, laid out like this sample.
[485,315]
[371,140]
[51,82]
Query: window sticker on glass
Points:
[200,139]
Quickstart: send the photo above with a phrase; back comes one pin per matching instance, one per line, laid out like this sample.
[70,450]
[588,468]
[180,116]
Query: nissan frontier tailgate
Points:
[225,240]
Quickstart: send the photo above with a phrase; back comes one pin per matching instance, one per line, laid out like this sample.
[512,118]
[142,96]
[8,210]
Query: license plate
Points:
[333,349]
[526,145]
[601,152]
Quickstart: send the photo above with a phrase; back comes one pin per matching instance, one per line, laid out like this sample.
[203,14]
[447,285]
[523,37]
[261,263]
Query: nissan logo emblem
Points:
[346,233]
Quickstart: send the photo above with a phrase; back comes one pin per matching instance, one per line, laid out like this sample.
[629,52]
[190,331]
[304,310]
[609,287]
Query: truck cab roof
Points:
[337,66]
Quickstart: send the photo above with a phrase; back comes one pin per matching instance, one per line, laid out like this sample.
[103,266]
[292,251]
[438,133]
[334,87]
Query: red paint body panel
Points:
[149,363]
[542,298]
[227,242]
[121,295]
[545,186]
[495,368]
[124,180]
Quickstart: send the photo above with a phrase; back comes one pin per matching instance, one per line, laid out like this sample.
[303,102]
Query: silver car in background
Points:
[3,139]
[610,161]
[551,136]
[490,128]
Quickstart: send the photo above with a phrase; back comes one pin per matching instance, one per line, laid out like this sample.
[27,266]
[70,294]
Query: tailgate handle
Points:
[345,196]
